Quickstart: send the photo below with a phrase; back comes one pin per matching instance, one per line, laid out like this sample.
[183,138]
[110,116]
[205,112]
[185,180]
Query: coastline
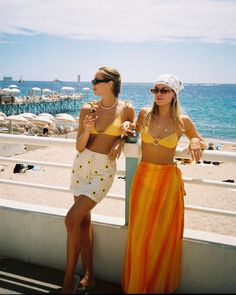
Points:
[197,195]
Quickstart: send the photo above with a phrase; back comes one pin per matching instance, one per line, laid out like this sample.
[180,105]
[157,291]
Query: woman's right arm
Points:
[129,126]
[86,122]
[141,118]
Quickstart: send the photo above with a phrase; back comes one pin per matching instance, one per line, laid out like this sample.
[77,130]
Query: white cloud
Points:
[122,20]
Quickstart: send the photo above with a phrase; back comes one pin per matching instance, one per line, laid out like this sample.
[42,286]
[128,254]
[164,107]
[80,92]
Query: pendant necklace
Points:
[157,139]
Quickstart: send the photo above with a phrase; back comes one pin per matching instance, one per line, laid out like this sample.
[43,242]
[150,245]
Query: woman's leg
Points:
[87,252]
[73,221]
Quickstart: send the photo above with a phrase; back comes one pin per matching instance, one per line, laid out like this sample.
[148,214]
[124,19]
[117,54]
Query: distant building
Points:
[7,78]
[78,78]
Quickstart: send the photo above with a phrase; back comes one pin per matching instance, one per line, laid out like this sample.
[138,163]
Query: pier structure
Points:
[55,106]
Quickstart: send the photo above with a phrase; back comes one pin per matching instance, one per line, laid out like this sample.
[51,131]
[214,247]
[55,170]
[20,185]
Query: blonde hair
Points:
[175,113]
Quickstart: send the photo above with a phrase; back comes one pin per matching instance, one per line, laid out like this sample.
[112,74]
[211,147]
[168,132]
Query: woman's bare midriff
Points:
[157,154]
[101,143]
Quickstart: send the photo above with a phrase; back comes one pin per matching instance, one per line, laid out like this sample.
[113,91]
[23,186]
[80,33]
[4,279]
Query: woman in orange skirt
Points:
[156,221]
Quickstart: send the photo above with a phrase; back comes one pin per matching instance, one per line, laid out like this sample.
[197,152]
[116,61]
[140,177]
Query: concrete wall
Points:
[9,149]
[37,234]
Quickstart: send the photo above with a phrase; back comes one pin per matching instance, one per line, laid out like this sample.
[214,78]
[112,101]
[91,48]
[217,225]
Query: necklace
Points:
[108,108]
[165,129]
[162,131]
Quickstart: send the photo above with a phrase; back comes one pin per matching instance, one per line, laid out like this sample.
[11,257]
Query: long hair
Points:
[174,110]
[113,75]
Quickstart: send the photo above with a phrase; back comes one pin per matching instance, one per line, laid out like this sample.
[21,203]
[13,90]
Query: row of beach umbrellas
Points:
[41,120]
[14,90]
[63,89]
[11,89]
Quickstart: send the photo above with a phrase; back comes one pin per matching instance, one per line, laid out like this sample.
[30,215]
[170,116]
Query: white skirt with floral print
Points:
[92,175]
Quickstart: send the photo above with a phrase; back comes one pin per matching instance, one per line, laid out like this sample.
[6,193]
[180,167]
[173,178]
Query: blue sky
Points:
[48,39]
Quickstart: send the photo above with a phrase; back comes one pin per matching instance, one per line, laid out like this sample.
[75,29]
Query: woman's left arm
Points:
[197,143]
[128,115]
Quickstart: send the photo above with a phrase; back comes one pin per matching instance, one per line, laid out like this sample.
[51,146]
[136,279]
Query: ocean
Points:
[212,107]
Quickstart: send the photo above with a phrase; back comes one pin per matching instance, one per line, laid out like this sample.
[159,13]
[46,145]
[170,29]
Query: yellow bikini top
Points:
[169,141]
[113,129]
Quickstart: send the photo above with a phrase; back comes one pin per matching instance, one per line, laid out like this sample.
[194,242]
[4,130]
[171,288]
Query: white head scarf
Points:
[171,81]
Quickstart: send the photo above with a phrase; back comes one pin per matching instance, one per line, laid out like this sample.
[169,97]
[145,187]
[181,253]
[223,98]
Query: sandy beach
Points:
[197,195]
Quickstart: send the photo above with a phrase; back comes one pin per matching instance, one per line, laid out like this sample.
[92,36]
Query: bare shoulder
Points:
[188,123]
[127,111]
[127,105]
[144,111]
[142,117]
[185,119]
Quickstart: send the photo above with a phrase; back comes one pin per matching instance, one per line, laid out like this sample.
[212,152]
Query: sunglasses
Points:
[96,81]
[162,90]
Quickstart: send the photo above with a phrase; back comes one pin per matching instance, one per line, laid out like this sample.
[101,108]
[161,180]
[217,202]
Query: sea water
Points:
[212,107]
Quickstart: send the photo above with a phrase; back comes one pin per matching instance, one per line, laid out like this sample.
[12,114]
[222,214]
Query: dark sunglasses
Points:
[96,81]
[162,90]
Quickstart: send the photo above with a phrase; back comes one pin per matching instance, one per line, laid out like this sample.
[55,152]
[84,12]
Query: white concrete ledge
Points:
[189,234]
[56,212]
[36,234]
[208,237]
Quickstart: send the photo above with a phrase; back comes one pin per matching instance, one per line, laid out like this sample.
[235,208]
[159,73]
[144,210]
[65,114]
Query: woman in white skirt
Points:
[103,125]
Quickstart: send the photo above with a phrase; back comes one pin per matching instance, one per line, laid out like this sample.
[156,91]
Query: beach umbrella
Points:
[12,86]
[5,90]
[46,90]
[28,116]
[86,89]
[64,122]
[47,115]
[67,88]
[17,119]
[33,90]
[43,121]
[3,115]
[36,89]
[67,118]
[14,91]
[63,114]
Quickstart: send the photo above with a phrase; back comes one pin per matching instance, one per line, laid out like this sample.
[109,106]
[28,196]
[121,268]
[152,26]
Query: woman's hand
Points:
[194,149]
[89,122]
[116,149]
[127,128]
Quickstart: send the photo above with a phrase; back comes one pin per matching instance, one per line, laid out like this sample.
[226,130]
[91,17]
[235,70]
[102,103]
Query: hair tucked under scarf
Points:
[171,81]
[176,85]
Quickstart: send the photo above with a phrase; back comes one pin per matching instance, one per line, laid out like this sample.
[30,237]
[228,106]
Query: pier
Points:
[55,106]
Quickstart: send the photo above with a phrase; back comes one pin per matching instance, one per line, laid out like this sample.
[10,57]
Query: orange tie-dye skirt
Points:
[155,231]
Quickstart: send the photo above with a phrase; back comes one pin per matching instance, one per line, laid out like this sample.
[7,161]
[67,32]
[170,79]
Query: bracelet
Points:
[124,138]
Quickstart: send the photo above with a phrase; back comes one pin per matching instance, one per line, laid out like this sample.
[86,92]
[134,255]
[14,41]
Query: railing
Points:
[132,154]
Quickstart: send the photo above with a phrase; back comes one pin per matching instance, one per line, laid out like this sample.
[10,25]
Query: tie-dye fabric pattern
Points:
[155,231]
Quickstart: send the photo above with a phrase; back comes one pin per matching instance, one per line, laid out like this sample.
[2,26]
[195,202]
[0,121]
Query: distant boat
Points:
[20,80]
[57,81]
